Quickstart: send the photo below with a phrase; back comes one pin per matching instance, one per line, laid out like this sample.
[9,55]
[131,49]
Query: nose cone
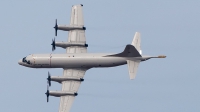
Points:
[20,62]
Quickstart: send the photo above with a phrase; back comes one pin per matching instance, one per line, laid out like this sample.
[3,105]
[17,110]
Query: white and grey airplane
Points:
[77,61]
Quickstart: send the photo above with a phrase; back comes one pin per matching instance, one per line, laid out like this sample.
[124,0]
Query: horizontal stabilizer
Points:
[132,68]
[136,42]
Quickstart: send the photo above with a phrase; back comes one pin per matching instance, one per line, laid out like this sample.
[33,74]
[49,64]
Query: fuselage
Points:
[82,60]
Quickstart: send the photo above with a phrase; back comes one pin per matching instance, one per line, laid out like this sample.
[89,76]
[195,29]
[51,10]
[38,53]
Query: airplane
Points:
[77,61]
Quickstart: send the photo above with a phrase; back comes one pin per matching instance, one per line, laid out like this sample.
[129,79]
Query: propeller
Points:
[53,44]
[47,93]
[56,28]
[49,79]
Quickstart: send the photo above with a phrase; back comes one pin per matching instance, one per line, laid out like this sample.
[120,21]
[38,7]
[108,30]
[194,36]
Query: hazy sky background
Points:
[162,85]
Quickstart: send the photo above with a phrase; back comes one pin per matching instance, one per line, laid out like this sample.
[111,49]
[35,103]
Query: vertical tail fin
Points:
[136,42]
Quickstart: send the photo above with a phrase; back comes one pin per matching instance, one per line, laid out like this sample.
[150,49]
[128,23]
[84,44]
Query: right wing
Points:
[77,35]
[70,86]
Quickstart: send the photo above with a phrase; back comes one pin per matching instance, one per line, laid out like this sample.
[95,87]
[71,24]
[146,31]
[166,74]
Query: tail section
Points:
[136,42]
[133,65]
[133,50]
[132,53]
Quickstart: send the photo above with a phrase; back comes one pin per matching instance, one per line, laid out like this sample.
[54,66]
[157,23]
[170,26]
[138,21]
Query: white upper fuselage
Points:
[77,60]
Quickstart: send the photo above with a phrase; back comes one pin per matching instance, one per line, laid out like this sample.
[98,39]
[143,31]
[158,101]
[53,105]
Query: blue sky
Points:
[167,27]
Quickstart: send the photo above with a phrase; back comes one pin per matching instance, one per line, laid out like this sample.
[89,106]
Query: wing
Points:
[77,15]
[77,35]
[72,86]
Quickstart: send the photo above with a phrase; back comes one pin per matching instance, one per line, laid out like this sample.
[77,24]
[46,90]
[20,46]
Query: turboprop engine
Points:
[59,93]
[60,79]
[66,44]
[67,27]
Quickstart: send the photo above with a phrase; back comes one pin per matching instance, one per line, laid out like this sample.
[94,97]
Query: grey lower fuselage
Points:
[82,60]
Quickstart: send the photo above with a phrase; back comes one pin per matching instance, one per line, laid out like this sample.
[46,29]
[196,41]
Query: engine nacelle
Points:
[60,79]
[68,44]
[68,28]
[62,93]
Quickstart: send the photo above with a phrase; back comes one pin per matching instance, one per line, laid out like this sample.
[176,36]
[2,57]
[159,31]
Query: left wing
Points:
[70,86]
[77,36]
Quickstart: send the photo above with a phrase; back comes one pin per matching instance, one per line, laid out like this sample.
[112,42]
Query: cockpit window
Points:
[25,61]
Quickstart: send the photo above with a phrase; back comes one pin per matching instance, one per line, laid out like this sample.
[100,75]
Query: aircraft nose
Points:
[20,62]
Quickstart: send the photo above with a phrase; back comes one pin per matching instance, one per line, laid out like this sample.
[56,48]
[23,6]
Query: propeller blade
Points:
[49,79]
[47,93]
[56,28]
[53,44]
[47,99]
